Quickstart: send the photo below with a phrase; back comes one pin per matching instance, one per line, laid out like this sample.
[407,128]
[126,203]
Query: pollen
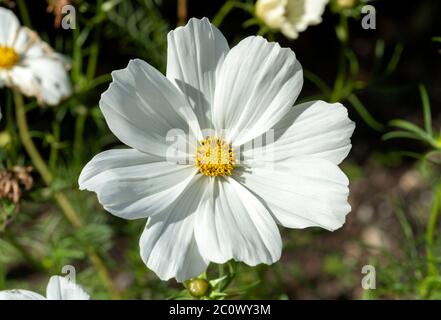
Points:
[214,157]
[8,57]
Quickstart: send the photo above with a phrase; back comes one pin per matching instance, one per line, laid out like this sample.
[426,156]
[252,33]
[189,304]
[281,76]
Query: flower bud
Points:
[198,287]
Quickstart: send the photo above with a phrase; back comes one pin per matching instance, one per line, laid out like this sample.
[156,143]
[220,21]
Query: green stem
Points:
[27,140]
[79,130]
[339,83]
[60,197]
[77,62]
[431,227]
[320,83]
[95,48]
[53,155]
[227,8]
[221,270]
[93,57]
[231,276]
[364,113]
[24,13]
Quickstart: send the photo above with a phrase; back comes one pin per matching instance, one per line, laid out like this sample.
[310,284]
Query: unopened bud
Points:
[198,287]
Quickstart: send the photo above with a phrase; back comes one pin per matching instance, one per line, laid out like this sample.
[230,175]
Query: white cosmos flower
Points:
[29,64]
[290,16]
[220,210]
[58,288]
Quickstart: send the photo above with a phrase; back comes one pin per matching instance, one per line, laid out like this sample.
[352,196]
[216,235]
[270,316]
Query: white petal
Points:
[142,106]
[41,72]
[318,129]
[255,87]
[134,185]
[31,46]
[19,294]
[52,78]
[28,44]
[272,12]
[61,288]
[9,26]
[302,192]
[24,79]
[194,53]
[167,244]
[233,224]
[300,14]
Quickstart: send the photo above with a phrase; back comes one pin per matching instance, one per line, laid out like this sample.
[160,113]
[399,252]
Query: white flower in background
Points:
[29,64]
[290,16]
[214,208]
[58,288]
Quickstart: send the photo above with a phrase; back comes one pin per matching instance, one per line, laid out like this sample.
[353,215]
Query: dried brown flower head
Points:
[56,7]
[14,182]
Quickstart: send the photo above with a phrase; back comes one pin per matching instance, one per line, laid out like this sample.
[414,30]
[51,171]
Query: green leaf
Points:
[353,62]
[401,134]
[364,113]
[319,82]
[395,59]
[426,109]
[409,126]
[228,7]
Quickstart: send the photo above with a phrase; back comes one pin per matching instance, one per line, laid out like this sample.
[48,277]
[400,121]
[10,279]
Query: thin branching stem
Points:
[24,13]
[61,199]
[431,228]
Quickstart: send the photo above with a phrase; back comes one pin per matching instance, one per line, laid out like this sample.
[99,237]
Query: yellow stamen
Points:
[214,157]
[8,57]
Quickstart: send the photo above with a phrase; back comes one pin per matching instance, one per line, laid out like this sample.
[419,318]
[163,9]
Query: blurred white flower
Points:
[29,64]
[290,16]
[215,208]
[58,288]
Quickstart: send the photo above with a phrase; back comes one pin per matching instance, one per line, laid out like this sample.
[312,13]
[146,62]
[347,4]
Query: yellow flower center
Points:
[8,57]
[214,157]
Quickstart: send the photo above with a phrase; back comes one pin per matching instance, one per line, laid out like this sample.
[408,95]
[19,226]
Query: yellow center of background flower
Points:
[8,57]
[214,157]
